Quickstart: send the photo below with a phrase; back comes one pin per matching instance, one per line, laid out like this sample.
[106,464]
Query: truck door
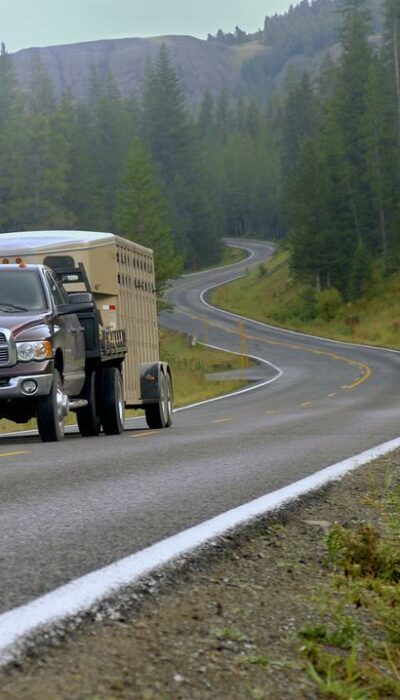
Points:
[71,340]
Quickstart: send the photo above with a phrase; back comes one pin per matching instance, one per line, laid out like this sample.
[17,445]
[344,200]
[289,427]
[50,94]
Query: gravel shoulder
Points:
[220,625]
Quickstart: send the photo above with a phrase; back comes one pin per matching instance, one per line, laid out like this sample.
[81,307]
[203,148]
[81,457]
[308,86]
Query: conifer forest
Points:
[315,165]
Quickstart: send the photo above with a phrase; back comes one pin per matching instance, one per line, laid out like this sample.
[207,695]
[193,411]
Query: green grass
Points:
[270,294]
[190,365]
[351,650]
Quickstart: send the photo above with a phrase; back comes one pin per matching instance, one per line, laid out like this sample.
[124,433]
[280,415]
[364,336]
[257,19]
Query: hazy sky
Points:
[26,23]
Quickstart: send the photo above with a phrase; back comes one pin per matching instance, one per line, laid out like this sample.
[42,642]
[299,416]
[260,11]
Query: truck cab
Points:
[40,337]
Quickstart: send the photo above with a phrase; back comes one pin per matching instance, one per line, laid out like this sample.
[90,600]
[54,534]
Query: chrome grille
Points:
[4,354]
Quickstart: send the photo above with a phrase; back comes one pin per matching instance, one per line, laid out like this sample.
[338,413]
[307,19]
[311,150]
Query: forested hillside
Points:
[317,167]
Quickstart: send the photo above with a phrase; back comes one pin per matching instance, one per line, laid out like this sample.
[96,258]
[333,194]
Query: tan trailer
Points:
[123,330]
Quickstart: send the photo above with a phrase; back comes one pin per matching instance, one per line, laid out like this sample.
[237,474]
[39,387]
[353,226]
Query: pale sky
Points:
[27,23]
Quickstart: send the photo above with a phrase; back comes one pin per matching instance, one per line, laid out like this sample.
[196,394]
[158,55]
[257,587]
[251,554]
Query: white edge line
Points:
[84,593]
[280,328]
[255,386]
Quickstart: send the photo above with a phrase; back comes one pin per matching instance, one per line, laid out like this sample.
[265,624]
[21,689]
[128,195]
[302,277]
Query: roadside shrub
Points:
[307,308]
[328,303]
[361,552]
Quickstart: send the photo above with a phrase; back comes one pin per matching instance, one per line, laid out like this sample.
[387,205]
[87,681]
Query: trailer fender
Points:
[150,379]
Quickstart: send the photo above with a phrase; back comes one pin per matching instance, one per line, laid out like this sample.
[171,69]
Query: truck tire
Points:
[50,412]
[111,401]
[88,418]
[159,415]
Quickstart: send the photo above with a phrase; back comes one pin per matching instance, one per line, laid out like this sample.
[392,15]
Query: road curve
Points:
[74,507]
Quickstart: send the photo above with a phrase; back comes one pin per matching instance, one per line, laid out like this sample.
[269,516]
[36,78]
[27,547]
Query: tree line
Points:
[341,158]
[317,166]
[134,167]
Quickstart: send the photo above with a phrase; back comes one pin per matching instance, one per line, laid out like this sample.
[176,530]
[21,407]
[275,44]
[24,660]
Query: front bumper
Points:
[12,387]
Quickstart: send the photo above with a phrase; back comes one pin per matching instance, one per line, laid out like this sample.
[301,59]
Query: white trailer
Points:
[121,330]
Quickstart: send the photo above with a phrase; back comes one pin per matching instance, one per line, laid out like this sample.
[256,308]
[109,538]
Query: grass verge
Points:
[352,648]
[271,295]
[191,365]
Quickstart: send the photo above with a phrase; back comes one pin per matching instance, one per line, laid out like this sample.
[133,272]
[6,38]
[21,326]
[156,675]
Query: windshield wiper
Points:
[12,307]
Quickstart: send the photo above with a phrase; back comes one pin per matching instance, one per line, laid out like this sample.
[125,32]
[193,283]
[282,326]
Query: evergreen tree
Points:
[44,187]
[142,212]
[13,129]
[351,96]
[206,117]
[175,149]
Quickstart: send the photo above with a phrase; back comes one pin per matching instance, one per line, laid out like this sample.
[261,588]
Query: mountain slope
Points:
[201,65]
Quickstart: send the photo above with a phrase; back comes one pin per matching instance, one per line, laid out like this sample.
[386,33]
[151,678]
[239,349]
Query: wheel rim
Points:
[61,405]
[169,400]
[163,399]
[121,403]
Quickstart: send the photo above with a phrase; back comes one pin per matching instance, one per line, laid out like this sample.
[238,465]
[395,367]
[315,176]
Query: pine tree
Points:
[351,95]
[13,128]
[142,212]
[172,141]
[43,191]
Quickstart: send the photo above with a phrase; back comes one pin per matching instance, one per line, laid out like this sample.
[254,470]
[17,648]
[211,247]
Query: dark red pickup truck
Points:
[46,336]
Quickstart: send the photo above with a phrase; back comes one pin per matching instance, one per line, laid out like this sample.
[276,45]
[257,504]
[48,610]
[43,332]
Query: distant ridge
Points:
[201,65]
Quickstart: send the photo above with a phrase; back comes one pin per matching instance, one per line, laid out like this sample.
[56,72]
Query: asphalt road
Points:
[73,507]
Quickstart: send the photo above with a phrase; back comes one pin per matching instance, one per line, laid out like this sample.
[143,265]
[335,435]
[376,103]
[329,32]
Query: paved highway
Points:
[73,507]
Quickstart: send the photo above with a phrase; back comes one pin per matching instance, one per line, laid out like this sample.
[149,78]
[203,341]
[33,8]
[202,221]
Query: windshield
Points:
[21,290]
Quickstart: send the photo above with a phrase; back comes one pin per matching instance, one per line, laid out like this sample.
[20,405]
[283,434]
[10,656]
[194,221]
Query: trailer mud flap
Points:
[149,381]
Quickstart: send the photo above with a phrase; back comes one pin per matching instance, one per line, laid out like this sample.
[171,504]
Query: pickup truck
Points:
[57,354]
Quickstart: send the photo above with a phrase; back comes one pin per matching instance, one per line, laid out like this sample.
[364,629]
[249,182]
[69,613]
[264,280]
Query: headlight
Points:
[36,350]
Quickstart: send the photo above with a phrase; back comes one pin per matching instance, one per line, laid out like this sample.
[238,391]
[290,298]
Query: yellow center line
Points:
[330,396]
[306,403]
[271,413]
[365,369]
[144,434]
[14,454]
[222,420]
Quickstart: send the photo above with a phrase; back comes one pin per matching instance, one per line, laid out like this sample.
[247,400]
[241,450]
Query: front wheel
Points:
[159,415]
[111,401]
[51,411]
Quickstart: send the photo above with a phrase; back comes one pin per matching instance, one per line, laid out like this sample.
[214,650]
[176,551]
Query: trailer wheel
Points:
[88,417]
[51,411]
[159,415]
[111,405]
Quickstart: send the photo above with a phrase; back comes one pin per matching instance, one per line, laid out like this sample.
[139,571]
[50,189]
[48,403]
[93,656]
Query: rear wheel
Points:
[88,417]
[51,411]
[159,415]
[111,401]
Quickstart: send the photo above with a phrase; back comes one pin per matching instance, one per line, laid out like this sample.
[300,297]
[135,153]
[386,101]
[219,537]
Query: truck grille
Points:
[4,356]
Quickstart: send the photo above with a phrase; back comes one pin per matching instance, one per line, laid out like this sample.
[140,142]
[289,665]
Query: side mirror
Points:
[80,298]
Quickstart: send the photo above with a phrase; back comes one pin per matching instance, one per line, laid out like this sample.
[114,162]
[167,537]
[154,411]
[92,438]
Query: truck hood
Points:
[30,326]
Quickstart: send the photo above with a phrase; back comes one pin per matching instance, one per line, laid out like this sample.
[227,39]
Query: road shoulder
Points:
[224,624]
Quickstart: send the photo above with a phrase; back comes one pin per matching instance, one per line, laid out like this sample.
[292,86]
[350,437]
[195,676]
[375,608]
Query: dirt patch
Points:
[225,627]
